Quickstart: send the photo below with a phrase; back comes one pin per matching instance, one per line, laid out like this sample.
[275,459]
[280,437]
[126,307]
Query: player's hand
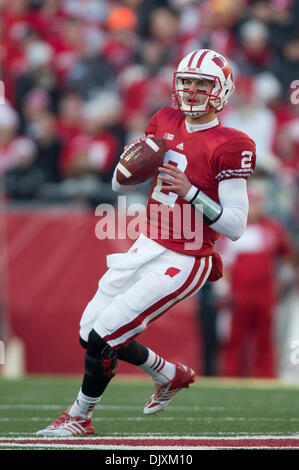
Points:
[138,139]
[177,178]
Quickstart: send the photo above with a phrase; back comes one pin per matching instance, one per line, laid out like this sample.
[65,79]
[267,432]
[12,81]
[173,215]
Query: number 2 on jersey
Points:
[166,196]
[246,161]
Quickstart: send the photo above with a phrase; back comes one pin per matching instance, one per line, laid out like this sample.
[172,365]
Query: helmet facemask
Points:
[186,100]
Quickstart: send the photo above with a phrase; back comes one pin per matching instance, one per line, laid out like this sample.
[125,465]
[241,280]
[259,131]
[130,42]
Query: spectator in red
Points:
[217,21]
[286,67]
[16,151]
[255,285]
[34,104]
[95,149]
[48,145]
[17,156]
[288,148]
[69,121]
[38,73]
[250,114]
[121,40]
[279,16]
[254,54]
[68,45]
[145,87]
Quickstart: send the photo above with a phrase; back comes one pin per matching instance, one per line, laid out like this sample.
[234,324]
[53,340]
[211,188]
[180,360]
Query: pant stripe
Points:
[138,320]
[197,277]
[199,284]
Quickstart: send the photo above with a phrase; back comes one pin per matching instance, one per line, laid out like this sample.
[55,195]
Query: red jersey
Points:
[252,259]
[207,157]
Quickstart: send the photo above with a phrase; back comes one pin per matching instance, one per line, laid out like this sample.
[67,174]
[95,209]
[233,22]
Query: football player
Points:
[205,171]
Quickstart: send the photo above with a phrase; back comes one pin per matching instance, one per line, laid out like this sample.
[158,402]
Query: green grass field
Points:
[211,407]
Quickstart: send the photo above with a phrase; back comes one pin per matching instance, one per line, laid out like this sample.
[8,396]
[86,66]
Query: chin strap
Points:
[194,115]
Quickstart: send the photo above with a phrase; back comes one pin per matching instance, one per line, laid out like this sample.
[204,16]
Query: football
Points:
[139,162]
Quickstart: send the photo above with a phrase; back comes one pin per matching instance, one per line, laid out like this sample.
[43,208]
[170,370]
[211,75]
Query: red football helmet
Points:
[203,64]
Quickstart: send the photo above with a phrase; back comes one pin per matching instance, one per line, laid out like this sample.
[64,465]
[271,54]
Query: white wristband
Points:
[191,193]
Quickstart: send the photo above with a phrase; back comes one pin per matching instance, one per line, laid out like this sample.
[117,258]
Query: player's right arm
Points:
[149,132]
[121,188]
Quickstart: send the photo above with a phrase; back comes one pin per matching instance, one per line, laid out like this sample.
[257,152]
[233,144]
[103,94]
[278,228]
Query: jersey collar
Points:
[190,128]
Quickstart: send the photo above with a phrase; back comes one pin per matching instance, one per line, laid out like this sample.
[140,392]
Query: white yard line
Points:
[163,448]
[157,435]
[112,407]
[158,438]
[94,443]
[160,418]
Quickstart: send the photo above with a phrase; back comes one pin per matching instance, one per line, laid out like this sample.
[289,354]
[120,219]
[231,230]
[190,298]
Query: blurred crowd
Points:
[82,78]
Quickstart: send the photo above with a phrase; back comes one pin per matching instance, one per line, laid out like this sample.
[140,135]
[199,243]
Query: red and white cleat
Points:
[163,395]
[66,425]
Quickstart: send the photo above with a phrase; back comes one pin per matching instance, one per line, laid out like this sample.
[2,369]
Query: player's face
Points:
[193,89]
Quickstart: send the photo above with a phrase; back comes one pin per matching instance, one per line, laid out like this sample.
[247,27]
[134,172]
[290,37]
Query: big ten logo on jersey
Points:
[294,97]
[168,136]
[295,352]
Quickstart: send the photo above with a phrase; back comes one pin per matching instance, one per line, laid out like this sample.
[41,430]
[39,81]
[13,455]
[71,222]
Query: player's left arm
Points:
[233,165]
[229,217]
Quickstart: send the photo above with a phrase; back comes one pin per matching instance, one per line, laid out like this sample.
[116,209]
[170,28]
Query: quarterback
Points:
[205,167]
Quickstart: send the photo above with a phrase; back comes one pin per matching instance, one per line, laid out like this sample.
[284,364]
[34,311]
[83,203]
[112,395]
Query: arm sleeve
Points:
[234,201]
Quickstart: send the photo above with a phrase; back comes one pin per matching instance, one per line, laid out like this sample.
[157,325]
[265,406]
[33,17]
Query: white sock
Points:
[83,405]
[160,370]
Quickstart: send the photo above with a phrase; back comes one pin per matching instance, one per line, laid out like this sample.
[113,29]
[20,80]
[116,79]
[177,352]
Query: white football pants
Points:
[140,286]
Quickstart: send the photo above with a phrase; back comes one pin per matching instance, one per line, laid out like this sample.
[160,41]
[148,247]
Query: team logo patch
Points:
[218,61]
[172,272]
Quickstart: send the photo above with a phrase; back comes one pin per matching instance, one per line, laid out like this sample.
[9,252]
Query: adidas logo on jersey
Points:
[180,146]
